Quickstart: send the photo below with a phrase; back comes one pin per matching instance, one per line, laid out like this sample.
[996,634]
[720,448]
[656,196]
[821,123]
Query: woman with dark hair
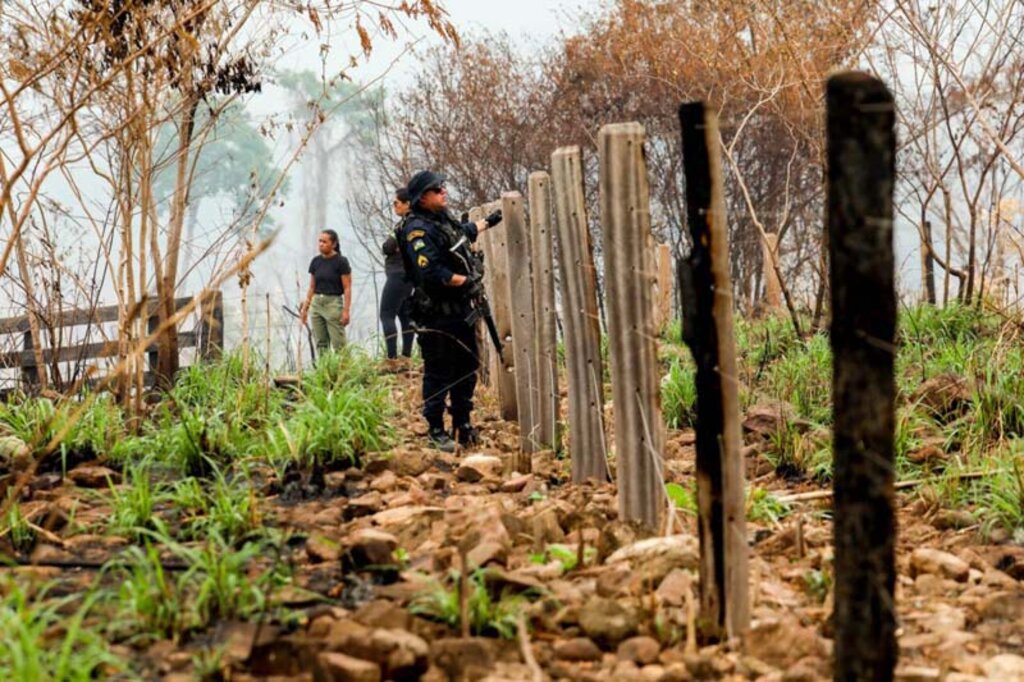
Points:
[397,287]
[329,298]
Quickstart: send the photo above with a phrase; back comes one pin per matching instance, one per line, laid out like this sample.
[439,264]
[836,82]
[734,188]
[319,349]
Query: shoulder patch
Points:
[422,261]
[416,234]
[418,245]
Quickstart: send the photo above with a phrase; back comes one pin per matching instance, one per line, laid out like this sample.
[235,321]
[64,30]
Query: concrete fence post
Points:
[630,278]
[546,337]
[496,284]
[520,282]
[580,319]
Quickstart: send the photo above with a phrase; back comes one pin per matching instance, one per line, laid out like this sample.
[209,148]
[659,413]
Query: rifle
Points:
[480,308]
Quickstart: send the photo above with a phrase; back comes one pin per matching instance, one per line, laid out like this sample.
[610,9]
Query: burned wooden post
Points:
[496,283]
[521,296]
[861,153]
[630,279]
[772,284]
[580,320]
[708,331]
[546,337]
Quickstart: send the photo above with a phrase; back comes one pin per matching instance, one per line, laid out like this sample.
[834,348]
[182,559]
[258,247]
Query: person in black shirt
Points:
[329,298]
[397,287]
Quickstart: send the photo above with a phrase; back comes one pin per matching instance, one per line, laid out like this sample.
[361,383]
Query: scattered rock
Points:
[1006,667]
[639,650]
[546,530]
[403,655]
[607,621]
[577,649]
[463,659]
[14,454]
[783,642]
[320,548]
[369,547]
[517,484]
[476,468]
[337,667]
[410,463]
[945,394]
[93,476]
[486,553]
[937,562]
[364,505]
[767,419]
[385,482]
[673,589]
[1005,606]
[929,454]
[953,519]
[658,556]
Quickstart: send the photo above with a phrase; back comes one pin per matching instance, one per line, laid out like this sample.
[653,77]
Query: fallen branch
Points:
[527,650]
[901,485]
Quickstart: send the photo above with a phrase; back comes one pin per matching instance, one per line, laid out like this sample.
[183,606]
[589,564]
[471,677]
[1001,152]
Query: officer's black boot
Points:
[440,440]
[466,434]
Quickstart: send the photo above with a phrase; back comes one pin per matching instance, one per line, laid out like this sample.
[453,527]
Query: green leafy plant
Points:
[679,395]
[53,640]
[764,506]
[486,615]
[682,498]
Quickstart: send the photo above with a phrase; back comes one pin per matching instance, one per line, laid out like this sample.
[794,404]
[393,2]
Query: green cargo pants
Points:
[325,316]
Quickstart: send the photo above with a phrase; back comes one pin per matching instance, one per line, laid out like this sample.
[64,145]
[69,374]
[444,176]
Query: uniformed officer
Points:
[440,306]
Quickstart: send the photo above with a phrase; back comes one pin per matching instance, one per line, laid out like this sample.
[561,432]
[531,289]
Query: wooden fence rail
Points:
[545,326]
[207,338]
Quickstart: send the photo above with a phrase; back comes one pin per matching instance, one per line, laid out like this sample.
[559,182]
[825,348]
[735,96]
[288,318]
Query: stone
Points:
[1003,606]
[929,454]
[93,476]
[15,454]
[381,613]
[676,672]
[953,519]
[403,655]
[615,581]
[674,551]
[936,562]
[369,547]
[577,649]
[364,505]
[674,587]
[486,553]
[342,633]
[546,530]
[639,650]
[607,621]
[320,548]
[945,394]
[782,642]
[476,468]
[410,463]
[463,659]
[517,484]
[767,419]
[338,667]
[385,482]
[1005,667]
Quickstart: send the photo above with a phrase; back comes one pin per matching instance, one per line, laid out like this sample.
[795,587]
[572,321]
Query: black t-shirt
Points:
[327,274]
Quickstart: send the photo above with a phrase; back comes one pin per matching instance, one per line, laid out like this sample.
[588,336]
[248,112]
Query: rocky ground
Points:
[561,589]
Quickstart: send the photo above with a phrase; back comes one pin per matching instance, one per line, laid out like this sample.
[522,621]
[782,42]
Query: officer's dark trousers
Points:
[450,363]
[396,289]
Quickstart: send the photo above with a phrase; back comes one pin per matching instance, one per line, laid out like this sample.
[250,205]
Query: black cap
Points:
[421,182]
